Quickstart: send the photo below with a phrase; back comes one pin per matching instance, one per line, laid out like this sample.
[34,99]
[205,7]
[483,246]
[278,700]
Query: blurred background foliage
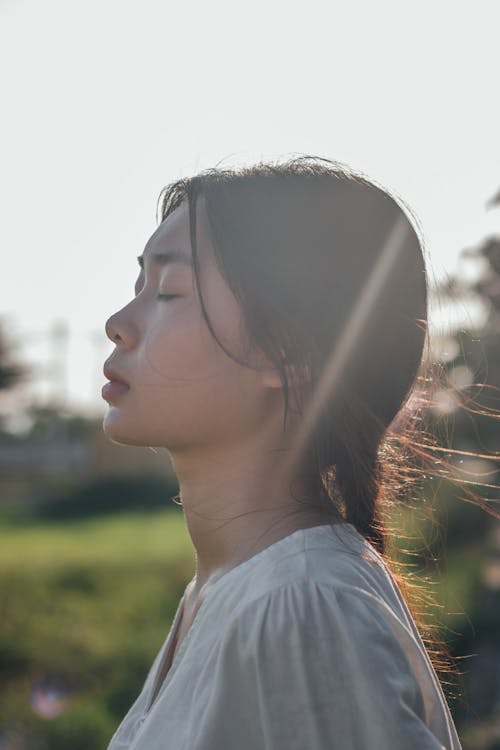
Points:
[95,554]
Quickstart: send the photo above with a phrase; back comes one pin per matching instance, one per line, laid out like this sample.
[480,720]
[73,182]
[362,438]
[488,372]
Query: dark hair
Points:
[297,243]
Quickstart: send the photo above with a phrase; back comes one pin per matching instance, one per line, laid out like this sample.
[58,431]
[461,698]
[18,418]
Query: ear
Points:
[271,377]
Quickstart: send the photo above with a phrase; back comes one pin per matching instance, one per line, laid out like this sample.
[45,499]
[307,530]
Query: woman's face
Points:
[184,391]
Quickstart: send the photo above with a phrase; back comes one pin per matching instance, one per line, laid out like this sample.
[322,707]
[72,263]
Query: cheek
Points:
[187,375]
[180,352]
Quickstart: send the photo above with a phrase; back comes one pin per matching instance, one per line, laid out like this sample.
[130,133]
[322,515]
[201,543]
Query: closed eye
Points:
[167,296]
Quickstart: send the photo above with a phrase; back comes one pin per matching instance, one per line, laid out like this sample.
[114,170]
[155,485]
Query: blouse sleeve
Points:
[312,667]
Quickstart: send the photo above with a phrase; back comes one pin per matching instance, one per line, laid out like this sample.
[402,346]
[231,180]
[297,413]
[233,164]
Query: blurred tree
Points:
[494,200]
[469,406]
[11,373]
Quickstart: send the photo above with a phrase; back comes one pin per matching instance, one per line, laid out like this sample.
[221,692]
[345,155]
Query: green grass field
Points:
[87,605]
[145,538]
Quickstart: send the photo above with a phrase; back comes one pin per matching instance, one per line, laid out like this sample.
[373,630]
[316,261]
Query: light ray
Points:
[348,341]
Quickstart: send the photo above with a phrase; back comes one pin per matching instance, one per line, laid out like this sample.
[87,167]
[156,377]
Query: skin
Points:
[221,422]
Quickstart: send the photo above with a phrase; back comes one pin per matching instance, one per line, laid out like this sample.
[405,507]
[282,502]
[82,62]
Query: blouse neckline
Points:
[212,586]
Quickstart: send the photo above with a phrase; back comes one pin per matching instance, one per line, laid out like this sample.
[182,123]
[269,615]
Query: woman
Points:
[277,330]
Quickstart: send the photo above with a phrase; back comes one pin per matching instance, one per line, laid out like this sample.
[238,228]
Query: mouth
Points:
[117,385]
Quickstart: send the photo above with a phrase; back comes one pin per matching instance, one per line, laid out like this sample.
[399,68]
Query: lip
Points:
[113,390]
[111,374]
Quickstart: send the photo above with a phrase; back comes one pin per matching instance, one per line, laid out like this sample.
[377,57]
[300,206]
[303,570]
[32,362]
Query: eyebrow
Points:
[166,257]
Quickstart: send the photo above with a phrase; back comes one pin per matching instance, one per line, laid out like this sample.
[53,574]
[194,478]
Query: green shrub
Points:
[109,495]
[84,727]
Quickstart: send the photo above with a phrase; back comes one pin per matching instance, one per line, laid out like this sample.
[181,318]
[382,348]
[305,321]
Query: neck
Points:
[237,501]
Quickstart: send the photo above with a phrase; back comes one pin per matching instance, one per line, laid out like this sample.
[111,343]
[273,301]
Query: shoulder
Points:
[314,650]
[341,635]
[306,606]
[327,652]
[317,563]
[304,662]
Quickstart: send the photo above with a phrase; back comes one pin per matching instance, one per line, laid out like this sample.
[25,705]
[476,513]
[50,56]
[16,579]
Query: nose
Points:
[113,330]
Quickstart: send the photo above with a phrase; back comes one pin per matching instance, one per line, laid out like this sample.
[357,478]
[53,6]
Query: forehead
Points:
[172,234]
[170,245]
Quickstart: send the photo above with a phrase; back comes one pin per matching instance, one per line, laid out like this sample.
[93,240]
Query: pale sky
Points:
[106,101]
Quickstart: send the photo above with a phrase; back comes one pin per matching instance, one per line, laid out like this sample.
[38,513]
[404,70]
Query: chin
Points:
[121,431]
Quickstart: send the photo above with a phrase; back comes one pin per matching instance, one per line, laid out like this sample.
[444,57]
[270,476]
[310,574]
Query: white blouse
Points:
[307,645]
